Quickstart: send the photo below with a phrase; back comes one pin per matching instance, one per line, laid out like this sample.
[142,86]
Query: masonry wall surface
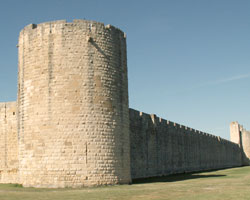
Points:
[241,136]
[70,126]
[160,147]
[8,143]
[235,133]
[73,118]
[246,143]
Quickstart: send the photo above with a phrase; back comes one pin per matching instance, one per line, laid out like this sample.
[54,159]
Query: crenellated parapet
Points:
[73,120]
[160,147]
[72,127]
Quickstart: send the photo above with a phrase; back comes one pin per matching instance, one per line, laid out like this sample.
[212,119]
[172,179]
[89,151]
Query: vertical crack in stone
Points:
[86,153]
[50,70]
[20,118]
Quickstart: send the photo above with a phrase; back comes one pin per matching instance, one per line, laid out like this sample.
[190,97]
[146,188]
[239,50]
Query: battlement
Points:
[158,121]
[160,147]
[60,26]
[72,127]
[73,97]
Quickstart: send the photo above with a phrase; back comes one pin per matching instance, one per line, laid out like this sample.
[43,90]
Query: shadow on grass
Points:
[173,178]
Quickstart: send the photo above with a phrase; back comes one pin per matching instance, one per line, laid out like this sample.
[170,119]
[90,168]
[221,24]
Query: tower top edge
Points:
[234,123]
[75,22]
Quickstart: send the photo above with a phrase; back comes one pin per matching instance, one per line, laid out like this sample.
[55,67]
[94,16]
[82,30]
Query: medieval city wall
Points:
[160,147]
[70,125]
[8,143]
[246,142]
[73,118]
[241,136]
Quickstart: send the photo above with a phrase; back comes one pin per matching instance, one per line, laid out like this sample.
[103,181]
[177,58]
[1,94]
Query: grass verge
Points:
[222,184]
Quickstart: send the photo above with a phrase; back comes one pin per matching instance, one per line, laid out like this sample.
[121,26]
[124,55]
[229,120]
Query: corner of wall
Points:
[235,135]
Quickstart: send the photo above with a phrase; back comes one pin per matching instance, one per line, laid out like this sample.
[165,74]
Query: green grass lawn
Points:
[223,184]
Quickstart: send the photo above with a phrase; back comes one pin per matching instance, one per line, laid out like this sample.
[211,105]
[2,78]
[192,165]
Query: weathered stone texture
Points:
[73,105]
[70,127]
[160,147]
[235,135]
[241,136]
[8,143]
[246,142]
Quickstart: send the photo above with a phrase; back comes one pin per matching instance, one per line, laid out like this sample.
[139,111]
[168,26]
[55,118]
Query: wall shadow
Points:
[174,178]
[244,158]
[99,49]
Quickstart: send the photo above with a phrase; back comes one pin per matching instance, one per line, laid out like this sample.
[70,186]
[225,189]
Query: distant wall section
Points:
[241,136]
[160,147]
[235,135]
[246,142]
[8,143]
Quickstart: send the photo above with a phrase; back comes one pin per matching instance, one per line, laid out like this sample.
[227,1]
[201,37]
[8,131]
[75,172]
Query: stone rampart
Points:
[8,143]
[73,118]
[246,142]
[160,147]
[241,136]
[70,125]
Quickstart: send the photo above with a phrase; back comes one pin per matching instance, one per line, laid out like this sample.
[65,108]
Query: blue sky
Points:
[188,61]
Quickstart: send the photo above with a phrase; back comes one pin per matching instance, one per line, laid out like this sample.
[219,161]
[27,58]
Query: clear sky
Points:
[188,60]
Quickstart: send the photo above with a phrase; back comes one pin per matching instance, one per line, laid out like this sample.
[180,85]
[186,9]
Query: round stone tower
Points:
[73,123]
